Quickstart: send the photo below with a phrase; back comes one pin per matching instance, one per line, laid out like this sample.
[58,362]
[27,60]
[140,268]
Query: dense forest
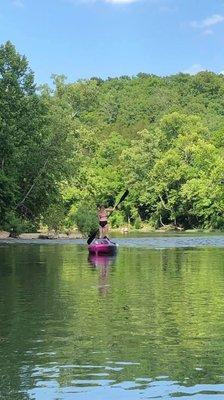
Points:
[66,148]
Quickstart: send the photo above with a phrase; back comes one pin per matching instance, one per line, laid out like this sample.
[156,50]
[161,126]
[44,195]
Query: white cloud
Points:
[103,1]
[207,22]
[121,1]
[162,8]
[194,69]
[207,32]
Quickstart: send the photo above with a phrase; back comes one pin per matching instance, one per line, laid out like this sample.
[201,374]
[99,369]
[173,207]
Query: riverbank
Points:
[164,229]
[120,231]
[38,235]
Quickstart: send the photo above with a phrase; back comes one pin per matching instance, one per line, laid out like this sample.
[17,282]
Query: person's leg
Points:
[105,230]
[100,230]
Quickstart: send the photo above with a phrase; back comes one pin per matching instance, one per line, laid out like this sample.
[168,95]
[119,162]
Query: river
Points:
[146,324]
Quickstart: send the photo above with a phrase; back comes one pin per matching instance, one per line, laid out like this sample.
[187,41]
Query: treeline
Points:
[65,150]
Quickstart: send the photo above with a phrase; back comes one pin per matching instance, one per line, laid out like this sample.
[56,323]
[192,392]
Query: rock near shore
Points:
[4,235]
[47,236]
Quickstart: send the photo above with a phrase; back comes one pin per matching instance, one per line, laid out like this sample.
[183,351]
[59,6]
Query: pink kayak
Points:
[102,246]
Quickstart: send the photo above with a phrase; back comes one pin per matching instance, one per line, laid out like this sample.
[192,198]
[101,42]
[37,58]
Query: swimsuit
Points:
[103,223]
[102,218]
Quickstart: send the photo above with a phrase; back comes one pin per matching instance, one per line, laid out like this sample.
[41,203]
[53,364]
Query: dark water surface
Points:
[148,324]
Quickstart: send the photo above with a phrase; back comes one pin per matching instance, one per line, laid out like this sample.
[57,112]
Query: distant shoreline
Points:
[121,231]
[46,236]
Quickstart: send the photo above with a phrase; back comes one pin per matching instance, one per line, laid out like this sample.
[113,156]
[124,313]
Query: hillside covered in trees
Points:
[65,150]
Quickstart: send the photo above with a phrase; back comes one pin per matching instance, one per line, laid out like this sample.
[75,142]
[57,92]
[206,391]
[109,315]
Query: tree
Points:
[37,137]
[21,121]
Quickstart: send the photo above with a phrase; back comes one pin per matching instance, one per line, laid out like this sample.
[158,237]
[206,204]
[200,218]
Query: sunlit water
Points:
[148,324]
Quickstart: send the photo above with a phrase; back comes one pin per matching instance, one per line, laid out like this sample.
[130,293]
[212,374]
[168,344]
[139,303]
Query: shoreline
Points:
[120,231]
[42,236]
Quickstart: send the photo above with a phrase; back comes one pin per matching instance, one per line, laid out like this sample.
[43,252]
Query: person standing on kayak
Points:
[103,215]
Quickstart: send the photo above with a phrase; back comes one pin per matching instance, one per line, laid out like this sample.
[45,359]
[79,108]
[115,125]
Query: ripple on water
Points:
[163,242]
[157,332]
[142,388]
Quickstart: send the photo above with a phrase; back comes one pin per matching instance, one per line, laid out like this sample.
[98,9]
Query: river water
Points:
[146,324]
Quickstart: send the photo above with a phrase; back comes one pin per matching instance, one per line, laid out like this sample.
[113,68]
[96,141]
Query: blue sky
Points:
[85,38]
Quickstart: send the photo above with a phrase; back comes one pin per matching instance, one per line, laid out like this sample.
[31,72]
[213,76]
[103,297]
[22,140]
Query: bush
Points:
[54,217]
[16,224]
[137,223]
[86,219]
[117,219]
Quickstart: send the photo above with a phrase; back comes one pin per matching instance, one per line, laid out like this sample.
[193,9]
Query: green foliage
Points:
[17,225]
[54,217]
[138,223]
[36,141]
[64,150]
[86,219]
[7,194]
[117,219]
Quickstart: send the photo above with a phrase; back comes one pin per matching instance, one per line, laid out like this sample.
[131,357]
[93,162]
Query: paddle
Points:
[93,235]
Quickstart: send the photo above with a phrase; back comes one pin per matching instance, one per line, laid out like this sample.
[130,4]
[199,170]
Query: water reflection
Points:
[102,263]
[146,324]
[101,260]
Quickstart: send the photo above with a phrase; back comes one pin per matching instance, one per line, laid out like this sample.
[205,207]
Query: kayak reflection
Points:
[103,264]
[97,260]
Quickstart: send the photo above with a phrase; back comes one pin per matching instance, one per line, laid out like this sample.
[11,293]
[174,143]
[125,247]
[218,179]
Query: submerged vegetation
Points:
[86,142]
